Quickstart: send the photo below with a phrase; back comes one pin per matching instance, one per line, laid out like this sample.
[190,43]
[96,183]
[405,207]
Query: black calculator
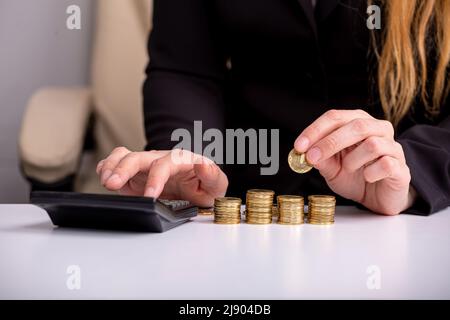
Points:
[113,212]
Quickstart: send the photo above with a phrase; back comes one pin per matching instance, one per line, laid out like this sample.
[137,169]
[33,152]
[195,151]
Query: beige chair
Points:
[54,129]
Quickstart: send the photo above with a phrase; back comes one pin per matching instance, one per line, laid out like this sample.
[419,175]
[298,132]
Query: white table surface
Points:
[201,260]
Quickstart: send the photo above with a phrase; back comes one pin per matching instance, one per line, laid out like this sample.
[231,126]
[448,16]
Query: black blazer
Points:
[287,65]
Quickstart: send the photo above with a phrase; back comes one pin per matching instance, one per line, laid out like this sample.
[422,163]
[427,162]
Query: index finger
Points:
[131,165]
[160,172]
[324,125]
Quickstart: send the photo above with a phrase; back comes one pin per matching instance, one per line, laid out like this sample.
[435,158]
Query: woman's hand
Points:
[175,174]
[359,158]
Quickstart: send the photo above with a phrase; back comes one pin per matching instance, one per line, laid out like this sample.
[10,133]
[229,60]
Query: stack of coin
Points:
[291,209]
[321,209]
[227,210]
[259,206]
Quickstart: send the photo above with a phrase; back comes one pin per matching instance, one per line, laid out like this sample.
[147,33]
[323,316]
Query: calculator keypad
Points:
[175,204]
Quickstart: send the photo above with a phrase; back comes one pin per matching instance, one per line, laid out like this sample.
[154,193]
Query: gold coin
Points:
[297,162]
[321,223]
[289,198]
[259,206]
[227,210]
[291,209]
[290,223]
[322,198]
[228,222]
[261,192]
[205,211]
[321,209]
[229,200]
[259,221]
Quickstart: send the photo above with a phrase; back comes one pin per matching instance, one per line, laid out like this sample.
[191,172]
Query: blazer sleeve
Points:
[427,151]
[186,71]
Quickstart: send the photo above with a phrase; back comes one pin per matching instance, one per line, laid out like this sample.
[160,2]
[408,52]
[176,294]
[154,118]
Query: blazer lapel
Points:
[309,12]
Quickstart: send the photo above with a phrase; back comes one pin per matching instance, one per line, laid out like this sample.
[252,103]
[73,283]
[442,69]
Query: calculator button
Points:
[175,204]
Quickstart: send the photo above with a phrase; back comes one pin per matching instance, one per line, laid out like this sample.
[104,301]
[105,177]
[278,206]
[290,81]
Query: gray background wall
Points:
[36,49]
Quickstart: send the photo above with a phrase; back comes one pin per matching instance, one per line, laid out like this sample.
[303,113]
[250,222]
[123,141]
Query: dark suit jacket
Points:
[289,64]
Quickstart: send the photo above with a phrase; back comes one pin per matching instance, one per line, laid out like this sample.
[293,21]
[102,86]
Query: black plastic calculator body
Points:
[113,212]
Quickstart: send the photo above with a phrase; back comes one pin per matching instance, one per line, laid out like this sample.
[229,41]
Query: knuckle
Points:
[226,182]
[373,145]
[121,171]
[330,143]
[408,175]
[129,161]
[360,126]
[120,150]
[100,164]
[178,152]
[180,157]
[156,163]
[387,165]
[361,112]
[176,156]
[333,115]
[388,127]
[404,176]
[398,145]
[133,157]
[107,165]
[400,152]
[313,131]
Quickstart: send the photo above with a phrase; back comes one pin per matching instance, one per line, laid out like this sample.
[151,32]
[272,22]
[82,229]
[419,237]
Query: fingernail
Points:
[302,144]
[106,175]
[313,156]
[150,192]
[114,178]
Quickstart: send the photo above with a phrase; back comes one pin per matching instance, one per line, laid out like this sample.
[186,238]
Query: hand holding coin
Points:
[359,159]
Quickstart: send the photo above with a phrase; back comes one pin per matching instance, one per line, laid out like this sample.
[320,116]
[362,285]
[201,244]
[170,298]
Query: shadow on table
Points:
[50,229]
[343,214]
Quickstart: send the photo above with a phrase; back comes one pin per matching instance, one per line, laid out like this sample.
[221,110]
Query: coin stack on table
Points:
[291,209]
[259,206]
[227,210]
[321,209]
